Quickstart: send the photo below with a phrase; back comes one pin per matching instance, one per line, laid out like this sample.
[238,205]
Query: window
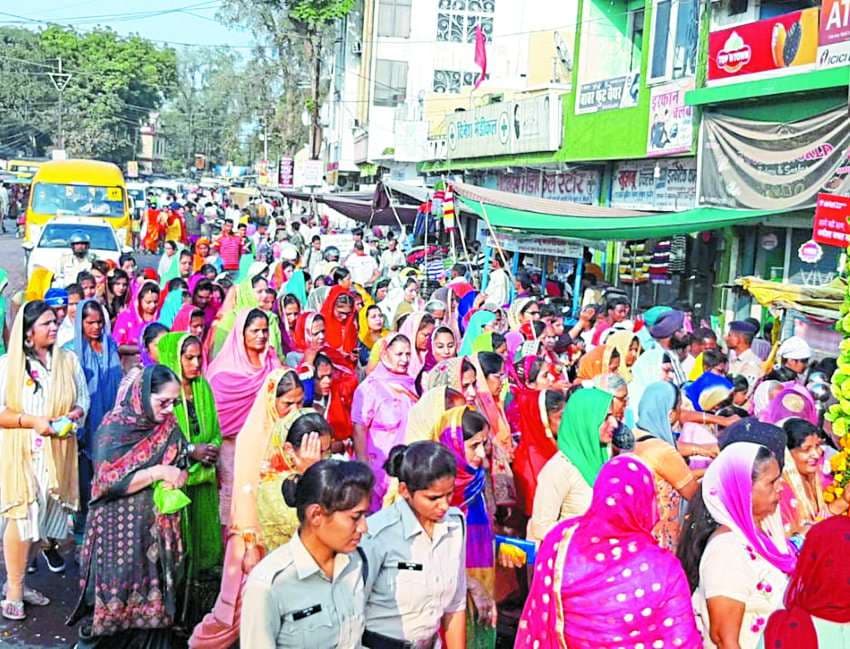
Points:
[635,38]
[457,19]
[452,81]
[673,40]
[394,18]
[390,82]
[57,235]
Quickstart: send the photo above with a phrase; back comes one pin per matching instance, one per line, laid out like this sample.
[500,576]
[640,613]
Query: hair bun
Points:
[289,488]
[393,464]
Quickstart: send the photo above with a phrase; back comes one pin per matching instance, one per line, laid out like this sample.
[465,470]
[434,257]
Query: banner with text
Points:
[773,165]
[607,94]
[764,48]
[655,185]
[506,127]
[830,225]
[671,120]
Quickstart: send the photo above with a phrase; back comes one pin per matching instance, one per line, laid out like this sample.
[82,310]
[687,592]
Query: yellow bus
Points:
[78,188]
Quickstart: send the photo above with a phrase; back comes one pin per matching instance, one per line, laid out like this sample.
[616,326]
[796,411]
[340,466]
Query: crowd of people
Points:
[263,441]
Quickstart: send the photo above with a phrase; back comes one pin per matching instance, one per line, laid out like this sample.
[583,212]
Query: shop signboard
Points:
[548,246]
[830,224]
[834,38]
[765,48]
[655,185]
[309,173]
[506,128]
[579,185]
[285,173]
[671,120]
[608,94]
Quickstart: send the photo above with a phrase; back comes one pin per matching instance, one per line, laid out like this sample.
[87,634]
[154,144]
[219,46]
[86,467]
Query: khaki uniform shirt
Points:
[415,579]
[70,266]
[288,602]
[748,365]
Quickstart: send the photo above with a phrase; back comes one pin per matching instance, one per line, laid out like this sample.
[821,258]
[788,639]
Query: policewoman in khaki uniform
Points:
[417,556]
[311,592]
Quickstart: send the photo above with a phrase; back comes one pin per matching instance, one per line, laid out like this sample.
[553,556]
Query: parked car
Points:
[53,242]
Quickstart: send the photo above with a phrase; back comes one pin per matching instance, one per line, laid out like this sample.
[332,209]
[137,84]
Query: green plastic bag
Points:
[200,474]
[168,501]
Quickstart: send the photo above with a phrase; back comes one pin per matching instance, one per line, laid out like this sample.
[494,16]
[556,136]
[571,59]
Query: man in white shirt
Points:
[392,258]
[362,266]
[498,285]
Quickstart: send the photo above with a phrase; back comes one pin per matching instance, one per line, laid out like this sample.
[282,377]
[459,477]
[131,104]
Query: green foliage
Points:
[318,13]
[115,83]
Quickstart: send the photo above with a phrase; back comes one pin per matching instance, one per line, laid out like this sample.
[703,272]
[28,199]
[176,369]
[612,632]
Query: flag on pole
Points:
[480,54]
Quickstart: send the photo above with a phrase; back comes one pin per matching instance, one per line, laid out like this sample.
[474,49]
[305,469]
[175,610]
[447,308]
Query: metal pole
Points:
[60,79]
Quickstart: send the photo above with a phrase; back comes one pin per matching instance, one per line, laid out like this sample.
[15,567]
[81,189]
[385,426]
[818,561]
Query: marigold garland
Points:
[839,413]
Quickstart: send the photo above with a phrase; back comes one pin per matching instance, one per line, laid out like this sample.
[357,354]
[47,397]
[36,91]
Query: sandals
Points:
[12,610]
[32,597]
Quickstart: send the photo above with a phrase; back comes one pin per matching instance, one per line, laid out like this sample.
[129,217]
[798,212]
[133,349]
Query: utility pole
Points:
[60,79]
[315,127]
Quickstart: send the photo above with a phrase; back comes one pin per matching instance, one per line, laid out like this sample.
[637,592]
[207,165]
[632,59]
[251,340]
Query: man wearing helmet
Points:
[78,259]
[331,261]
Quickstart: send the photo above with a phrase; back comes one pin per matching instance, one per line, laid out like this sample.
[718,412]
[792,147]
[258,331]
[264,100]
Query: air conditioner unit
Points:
[357,48]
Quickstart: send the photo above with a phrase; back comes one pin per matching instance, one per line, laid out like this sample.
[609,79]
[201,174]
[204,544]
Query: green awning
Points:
[559,218]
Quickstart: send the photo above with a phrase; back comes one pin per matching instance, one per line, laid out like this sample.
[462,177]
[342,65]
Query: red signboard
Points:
[766,47]
[834,21]
[830,225]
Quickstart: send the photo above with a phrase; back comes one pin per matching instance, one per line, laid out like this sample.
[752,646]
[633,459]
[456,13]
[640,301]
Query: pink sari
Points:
[601,581]
[129,323]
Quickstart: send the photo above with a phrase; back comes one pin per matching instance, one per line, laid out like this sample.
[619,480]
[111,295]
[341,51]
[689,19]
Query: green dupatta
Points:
[201,526]
[578,436]
[246,299]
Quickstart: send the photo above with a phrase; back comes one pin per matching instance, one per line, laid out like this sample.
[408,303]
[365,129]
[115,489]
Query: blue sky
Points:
[174,21]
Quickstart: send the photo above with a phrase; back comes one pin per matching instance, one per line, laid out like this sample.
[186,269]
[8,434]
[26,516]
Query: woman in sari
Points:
[117,292]
[372,327]
[802,503]
[565,484]
[340,330]
[259,521]
[236,375]
[489,388]
[734,551]
[601,581]
[380,408]
[197,418]
[97,354]
[39,383]
[417,328]
[627,347]
[143,309]
[189,319]
[200,254]
[333,393]
[138,455]
[245,295]
[465,432]
[308,339]
[656,446]
[540,411]
[441,346]
[289,308]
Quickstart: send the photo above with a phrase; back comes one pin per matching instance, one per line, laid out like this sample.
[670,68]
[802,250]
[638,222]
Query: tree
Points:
[298,32]
[115,82]
[315,19]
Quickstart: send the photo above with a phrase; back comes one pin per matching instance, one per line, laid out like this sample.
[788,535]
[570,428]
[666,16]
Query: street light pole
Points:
[60,79]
